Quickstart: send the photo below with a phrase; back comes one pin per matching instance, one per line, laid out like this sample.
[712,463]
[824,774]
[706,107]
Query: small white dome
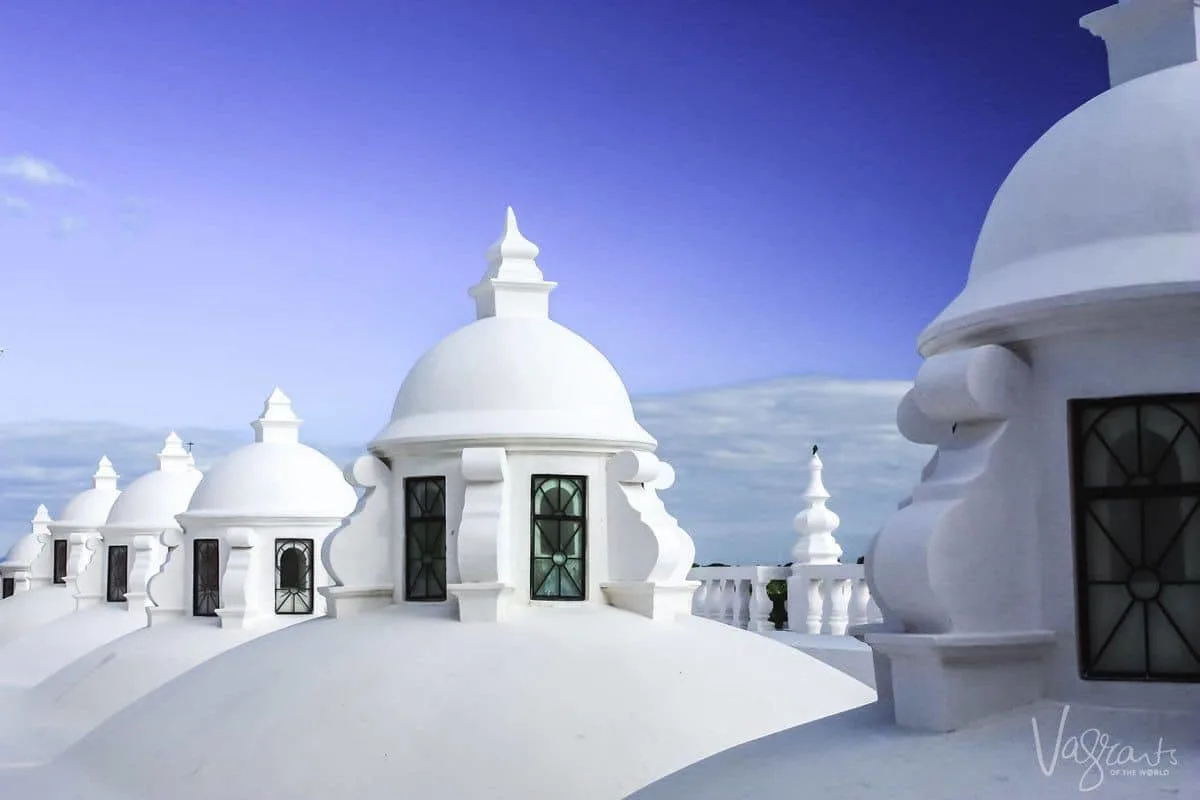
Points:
[276,476]
[25,549]
[1105,206]
[90,509]
[509,377]
[513,373]
[152,501]
[589,703]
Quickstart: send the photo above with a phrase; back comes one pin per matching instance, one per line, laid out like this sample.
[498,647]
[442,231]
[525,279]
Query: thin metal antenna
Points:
[189,446]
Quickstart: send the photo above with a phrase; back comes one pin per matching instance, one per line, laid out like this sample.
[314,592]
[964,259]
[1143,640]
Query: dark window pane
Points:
[1136,479]
[425,539]
[294,576]
[558,538]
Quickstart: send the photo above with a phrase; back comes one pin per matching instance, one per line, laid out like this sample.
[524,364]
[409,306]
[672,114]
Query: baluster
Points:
[860,602]
[816,605]
[714,600]
[760,606]
[700,599]
[741,613]
[839,603]
[728,600]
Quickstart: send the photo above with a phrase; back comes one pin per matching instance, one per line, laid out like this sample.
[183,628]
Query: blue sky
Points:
[201,201]
[299,193]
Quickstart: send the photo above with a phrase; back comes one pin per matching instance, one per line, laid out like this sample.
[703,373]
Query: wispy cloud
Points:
[740,455]
[13,206]
[67,225]
[36,171]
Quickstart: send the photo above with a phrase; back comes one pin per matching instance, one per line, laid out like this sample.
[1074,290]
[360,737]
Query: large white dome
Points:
[153,500]
[513,374]
[589,703]
[90,509]
[514,377]
[1105,206]
[275,477]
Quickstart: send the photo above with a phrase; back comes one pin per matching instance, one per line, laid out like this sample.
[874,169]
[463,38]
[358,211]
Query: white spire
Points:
[174,457]
[278,423]
[816,523]
[1144,36]
[513,285]
[105,477]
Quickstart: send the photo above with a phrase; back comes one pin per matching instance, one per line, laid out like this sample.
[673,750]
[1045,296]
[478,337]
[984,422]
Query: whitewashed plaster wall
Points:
[1128,361]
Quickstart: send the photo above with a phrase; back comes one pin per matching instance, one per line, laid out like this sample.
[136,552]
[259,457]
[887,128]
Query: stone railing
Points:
[821,598]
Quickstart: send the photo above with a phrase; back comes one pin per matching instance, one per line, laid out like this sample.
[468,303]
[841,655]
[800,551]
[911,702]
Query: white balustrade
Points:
[822,598]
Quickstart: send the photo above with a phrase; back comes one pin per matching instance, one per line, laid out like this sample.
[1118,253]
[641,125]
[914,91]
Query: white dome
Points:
[274,480]
[90,509]
[590,703]
[1105,206]
[274,477]
[513,373]
[152,501]
[509,377]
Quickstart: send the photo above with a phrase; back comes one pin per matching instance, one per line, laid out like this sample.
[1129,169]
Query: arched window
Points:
[1137,536]
[118,573]
[60,560]
[206,577]
[293,576]
[558,538]
[425,539]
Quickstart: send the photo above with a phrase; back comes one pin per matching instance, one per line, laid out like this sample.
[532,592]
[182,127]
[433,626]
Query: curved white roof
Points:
[587,702]
[90,509]
[152,501]
[275,477]
[1105,206]
[513,373]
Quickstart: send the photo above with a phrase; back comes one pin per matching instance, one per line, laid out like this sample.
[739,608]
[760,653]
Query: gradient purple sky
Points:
[299,193]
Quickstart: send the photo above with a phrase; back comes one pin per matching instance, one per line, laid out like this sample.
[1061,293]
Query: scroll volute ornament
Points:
[951,559]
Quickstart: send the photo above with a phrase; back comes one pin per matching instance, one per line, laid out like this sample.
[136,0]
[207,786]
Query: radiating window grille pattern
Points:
[118,572]
[425,539]
[1136,480]
[9,587]
[294,576]
[60,560]
[558,534]
[206,577]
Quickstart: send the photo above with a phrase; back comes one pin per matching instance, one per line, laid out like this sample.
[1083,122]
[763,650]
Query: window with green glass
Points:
[425,538]
[558,533]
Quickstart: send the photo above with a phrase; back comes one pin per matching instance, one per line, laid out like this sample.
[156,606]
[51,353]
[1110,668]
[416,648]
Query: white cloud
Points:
[14,206]
[740,455]
[36,171]
[67,225]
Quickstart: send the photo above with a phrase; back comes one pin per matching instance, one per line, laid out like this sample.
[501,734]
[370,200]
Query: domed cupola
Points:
[514,374]
[133,551]
[1102,212]
[253,530]
[275,477]
[76,532]
[27,566]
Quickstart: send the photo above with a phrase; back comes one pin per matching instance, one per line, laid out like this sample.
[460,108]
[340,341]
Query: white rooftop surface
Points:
[862,754]
[29,659]
[592,698]
[38,723]
[26,611]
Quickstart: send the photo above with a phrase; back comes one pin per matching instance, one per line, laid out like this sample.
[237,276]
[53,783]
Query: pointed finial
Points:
[816,523]
[278,423]
[173,457]
[106,475]
[41,515]
[513,285]
[513,247]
